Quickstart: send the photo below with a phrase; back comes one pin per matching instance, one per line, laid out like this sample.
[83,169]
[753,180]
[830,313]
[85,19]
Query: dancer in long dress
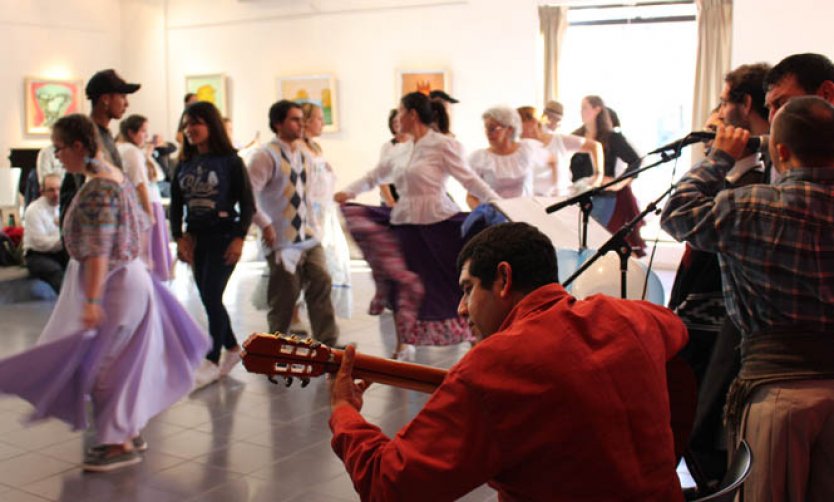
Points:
[116,337]
[414,245]
[617,205]
[322,186]
[144,172]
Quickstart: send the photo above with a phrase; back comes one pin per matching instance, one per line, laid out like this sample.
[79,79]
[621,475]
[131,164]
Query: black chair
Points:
[737,472]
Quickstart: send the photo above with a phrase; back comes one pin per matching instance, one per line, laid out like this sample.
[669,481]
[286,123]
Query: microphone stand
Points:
[586,203]
[618,243]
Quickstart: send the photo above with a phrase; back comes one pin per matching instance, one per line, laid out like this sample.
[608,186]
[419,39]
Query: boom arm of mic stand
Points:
[618,243]
[586,203]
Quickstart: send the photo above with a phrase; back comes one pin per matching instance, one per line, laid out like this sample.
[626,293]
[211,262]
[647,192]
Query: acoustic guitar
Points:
[292,358]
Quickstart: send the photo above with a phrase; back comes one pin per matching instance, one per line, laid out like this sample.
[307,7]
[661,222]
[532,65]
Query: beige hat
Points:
[554,107]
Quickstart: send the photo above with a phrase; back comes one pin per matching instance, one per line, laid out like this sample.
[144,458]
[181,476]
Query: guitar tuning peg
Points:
[272,379]
[295,338]
[305,382]
[314,344]
[288,381]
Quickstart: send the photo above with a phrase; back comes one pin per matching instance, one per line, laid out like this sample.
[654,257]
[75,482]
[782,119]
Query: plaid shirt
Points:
[775,242]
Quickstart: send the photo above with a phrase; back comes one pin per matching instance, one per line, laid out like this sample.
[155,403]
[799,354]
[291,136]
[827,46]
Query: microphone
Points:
[755,143]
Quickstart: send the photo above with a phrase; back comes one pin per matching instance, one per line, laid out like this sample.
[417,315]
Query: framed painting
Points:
[47,100]
[423,81]
[316,89]
[211,88]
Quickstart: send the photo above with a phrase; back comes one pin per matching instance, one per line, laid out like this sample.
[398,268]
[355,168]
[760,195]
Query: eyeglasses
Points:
[492,129]
[59,148]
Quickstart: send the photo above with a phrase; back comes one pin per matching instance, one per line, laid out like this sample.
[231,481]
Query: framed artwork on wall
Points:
[211,88]
[317,89]
[47,100]
[423,81]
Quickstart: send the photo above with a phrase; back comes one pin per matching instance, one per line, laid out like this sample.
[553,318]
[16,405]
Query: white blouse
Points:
[563,147]
[136,169]
[421,180]
[509,175]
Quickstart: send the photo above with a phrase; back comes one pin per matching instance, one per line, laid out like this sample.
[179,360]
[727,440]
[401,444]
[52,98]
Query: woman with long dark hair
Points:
[418,257]
[116,337]
[618,206]
[212,184]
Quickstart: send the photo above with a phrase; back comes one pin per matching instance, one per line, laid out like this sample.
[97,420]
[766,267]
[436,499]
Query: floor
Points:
[242,439]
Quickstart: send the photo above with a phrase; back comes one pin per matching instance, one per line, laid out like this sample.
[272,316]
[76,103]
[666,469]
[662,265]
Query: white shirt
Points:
[421,181]
[563,147]
[509,175]
[47,163]
[133,162]
[41,232]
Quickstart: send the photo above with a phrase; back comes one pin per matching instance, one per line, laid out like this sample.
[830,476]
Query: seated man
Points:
[44,251]
[560,400]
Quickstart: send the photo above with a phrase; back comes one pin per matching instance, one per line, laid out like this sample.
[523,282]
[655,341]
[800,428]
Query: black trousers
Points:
[48,267]
[211,275]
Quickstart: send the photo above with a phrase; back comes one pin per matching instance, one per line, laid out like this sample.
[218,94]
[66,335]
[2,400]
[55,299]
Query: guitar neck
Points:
[410,376]
[276,355]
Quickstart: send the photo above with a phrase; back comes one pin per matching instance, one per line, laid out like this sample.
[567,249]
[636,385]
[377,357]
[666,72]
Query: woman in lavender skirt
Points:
[116,337]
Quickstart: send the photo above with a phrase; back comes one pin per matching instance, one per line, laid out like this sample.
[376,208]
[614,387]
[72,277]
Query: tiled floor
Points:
[243,439]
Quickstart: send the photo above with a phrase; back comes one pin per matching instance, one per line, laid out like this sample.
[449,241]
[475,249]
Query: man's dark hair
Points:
[810,70]
[529,252]
[187,98]
[806,126]
[278,112]
[748,80]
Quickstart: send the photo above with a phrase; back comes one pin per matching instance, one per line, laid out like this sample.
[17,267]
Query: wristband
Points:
[93,301]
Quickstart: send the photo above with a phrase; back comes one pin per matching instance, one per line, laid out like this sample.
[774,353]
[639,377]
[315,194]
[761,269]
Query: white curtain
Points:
[553,22]
[715,26]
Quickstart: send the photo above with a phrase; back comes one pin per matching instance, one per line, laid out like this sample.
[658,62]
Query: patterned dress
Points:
[142,356]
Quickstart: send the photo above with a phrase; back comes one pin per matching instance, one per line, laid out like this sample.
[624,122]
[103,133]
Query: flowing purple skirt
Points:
[414,265]
[160,252]
[139,361]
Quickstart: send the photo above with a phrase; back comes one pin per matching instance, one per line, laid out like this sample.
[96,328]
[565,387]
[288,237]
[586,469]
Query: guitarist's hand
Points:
[344,389]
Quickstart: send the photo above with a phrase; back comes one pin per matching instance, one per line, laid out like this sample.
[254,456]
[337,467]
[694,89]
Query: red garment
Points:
[568,401]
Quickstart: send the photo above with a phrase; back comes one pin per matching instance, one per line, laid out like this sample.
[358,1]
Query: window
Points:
[640,60]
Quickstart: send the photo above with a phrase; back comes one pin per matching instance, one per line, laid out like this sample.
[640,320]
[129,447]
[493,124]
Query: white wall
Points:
[47,38]
[488,48]
[769,30]
[143,60]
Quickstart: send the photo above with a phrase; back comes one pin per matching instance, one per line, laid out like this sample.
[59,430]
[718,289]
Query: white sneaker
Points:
[206,374]
[228,361]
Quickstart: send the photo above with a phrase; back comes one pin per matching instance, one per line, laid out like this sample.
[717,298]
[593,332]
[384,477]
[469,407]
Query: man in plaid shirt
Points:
[776,250]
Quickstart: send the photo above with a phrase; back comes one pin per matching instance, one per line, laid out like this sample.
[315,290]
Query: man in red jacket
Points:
[560,400]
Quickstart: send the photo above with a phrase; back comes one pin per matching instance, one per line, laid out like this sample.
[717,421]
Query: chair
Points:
[737,472]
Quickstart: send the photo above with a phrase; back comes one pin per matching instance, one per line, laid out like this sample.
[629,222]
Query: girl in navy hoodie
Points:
[211,183]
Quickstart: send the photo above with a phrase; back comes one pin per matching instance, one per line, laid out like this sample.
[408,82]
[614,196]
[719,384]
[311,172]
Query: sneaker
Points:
[206,374]
[109,459]
[139,444]
[228,361]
